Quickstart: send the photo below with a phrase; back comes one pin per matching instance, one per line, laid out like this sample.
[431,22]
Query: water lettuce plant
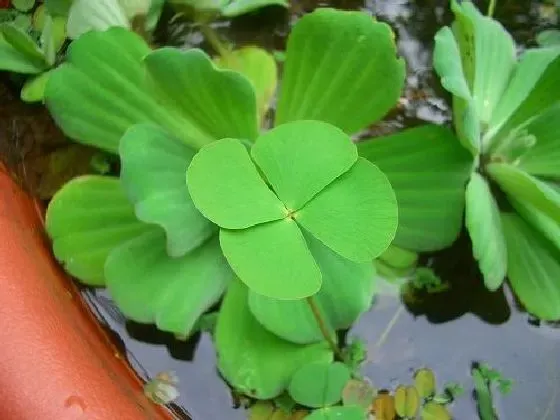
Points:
[506,112]
[283,223]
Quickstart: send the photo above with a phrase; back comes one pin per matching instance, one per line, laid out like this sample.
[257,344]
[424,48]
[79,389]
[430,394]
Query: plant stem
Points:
[491,8]
[214,40]
[323,327]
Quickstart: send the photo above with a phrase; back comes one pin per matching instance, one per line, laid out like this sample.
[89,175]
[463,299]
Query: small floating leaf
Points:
[425,382]
[433,411]
[319,384]
[337,413]
[384,407]
[407,401]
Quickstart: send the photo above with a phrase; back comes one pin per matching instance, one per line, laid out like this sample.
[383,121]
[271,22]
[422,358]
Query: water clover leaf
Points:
[86,220]
[253,360]
[303,146]
[533,267]
[227,188]
[355,215]
[214,103]
[483,222]
[358,66]
[319,384]
[153,166]
[272,259]
[150,287]
[346,292]
[426,167]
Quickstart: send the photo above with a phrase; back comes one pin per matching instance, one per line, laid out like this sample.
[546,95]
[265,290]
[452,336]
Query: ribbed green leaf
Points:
[153,167]
[346,292]
[99,15]
[544,158]
[86,220]
[522,186]
[272,259]
[148,286]
[533,268]
[259,67]
[356,215]
[227,188]
[301,158]
[18,52]
[100,91]
[337,413]
[250,358]
[485,229]
[534,86]
[538,220]
[335,60]
[428,169]
[214,103]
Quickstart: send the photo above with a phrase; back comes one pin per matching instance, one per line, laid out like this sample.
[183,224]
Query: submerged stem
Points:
[214,40]
[491,8]
[323,327]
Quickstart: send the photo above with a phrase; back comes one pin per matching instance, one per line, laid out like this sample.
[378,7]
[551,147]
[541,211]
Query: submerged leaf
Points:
[358,66]
[358,393]
[533,268]
[86,220]
[153,166]
[150,287]
[253,360]
[319,384]
[428,169]
[485,229]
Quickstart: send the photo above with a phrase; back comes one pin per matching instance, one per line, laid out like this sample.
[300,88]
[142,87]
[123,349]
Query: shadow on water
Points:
[446,331]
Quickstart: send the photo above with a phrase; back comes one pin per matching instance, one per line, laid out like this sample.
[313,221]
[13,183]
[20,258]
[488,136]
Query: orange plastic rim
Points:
[56,362]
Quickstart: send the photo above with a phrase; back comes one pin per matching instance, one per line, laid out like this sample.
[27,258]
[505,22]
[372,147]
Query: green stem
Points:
[214,40]
[491,8]
[323,327]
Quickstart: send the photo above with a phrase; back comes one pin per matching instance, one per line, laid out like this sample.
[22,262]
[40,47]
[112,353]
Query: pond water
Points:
[447,331]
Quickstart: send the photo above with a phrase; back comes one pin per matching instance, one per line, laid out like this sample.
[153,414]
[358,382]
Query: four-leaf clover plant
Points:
[293,211]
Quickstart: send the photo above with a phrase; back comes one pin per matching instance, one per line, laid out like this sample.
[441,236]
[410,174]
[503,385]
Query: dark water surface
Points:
[446,332]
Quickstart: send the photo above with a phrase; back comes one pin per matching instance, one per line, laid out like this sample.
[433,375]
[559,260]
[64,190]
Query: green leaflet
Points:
[272,259]
[485,229]
[428,170]
[150,287]
[153,166]
[86,220]
[227,188]
[533,268]
[253,360]
[356,215]
[99,15]
[303,145]
[322,83]
[346,292]
[338,413]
